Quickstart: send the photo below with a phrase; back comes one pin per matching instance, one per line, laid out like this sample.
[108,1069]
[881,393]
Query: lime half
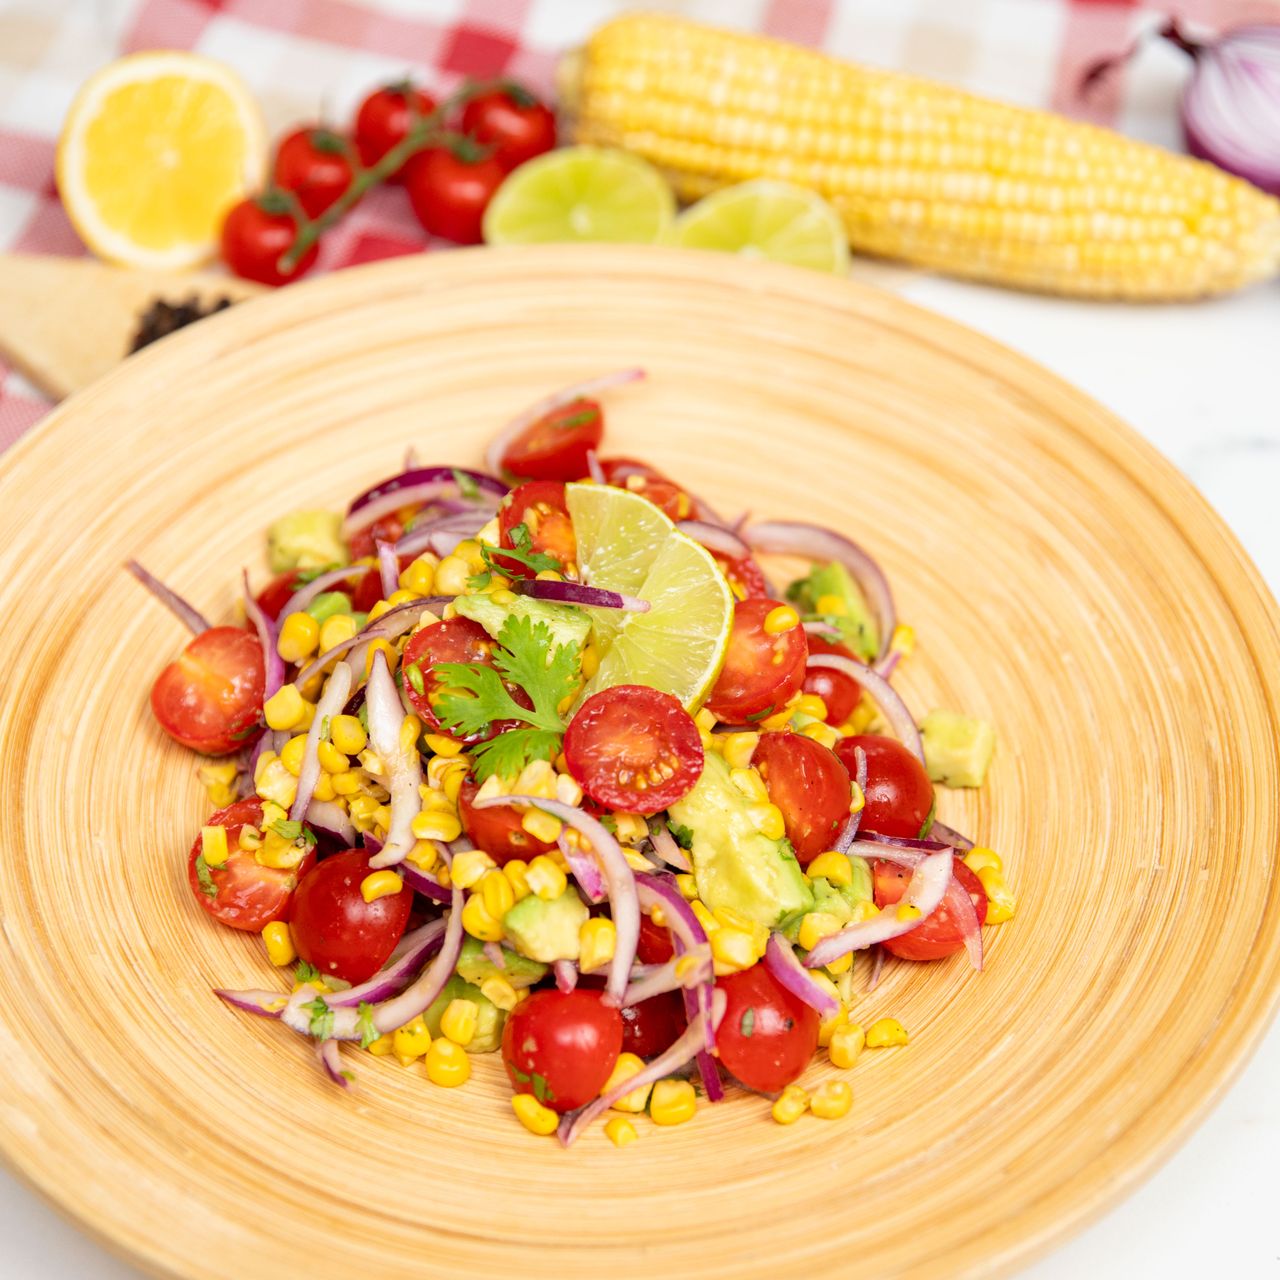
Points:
[581,193]
[766,219]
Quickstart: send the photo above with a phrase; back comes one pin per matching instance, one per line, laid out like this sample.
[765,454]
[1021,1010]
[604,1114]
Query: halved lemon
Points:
[154,151]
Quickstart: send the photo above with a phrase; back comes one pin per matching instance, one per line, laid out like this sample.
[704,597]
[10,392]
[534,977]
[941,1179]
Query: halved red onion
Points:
[623,903]
[664,845]
[926,889]
[272,662]
[780,960]
[332,700]
[403,763]
[420,882]
[388,568]
[188,615]
[586,870]
[416,949]
[566,976]
[413,487]
[498,446]
[391,626]
[324,815]
[577,593]
[319,585]
[881,692]
[331,1060]
[715,537]
[949,835]
[266,1004]
[848,835]
[792,537]
[594,469]
[684,1050]
[677,974]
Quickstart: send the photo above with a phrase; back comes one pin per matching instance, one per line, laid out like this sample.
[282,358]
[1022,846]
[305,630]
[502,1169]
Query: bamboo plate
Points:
[1064,581]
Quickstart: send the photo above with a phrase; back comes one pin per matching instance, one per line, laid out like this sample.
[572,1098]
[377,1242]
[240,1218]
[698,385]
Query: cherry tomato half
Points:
[515,124]
[384,118]
[497,831]
[210,699]
[539,507]
[810,785]
[648,482]
[840,692]
[654,945]
[939,934]
[246,895]
[335,929]
[453,640]
[256,233]
[746,578]
[654,1025]
[388,529]
[273,598]
[555,447]
[899,795]
[315,164]
[761,673]
[768,1035]
[450,194]
[562,1047]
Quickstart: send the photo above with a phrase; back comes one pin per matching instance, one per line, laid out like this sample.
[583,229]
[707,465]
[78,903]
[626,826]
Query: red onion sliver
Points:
[877,968]
[324,815]
[781,961]
[881,692]
[664,845]
[686,932]
[388,568]
[887,665]
[586,871]
[331,1061]
[419,997]
[715,537]
[332,700]
[318,586]
[579,594]
[594,469]
[430,535]
[493,953]
[826,630]
[420,882]
[950,836]
[266,1004]
[566,975]
[393,978]
[189,616]
[402,489]
[850,831]
[676,974]
[970,929]
[403,764]
[391,626]
[272,662]
[877,846]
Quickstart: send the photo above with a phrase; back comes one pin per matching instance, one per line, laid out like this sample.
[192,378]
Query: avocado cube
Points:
[957,748]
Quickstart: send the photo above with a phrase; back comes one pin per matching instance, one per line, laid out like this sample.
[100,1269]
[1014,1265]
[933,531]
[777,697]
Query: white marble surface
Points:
[1201,383]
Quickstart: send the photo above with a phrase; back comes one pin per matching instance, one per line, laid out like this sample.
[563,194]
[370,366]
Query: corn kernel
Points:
[458,1021]
[477,921]
[273,812]
[442,877]
[383,1045]
[280,853]
[908,911]
[822,733]
[250,838]
[658,916]
[590,661]
[845,1045]
[420,576]
[345,784]
[627,1066]
[498,991]
[750,784]
[292,752]
[213,845]
[517,873]
[597,940]
[279,943]
[382,816]
[809,704]
[832,605]
[424,855]
[284,709]
[218,772]
[631,828]
[567,790]
[829,1026]
[815,926]
[672,1102]
[732,950]
[1001,903]
[832,1100]
[545,878]
[379,608]
[980,859]
[220,794]
[841,964]
[534,1116]
[886,1033]
[792,1103]
[469,866]
[380,646]
[864,910]
[299,634]
[498,895]
[541,826]
[903,640]
[411,1041]
[780,620]
[451,576]
[442,745]
[620,1131]
[410,729]
[336,630]
[705,720]
[768,821]
[447,1063]
[831,866]
[332,760]
[362,809]
[687,885]
[380,884]
[779,719]
[738,748]
[468,551]
[857,801]
[437,826]
[708,922]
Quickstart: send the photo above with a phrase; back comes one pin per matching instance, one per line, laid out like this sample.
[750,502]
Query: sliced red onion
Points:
[877,968]
[826,630]
[420,882]
[388,568]
[272,662]
[331,1060]
[189,616]
[683,1051]
[566,975]
[950,836]
[442,535]
[970,929]
[881,692]
[594,469]
[266,1004]
[664,845]
[623,903]
[413,488]
[874,845]
[785,537]
[493,953]
[393,978]
[324,815]
[926,889]
[577,593]
[318,586]
[674,975]
[391,626]
[403,764]
[715,537]
[498,446]
[850,832]
[586,870]
[887,665]
[332,700]
[780,960]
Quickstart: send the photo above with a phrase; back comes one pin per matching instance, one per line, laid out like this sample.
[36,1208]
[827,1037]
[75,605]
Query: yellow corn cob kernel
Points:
[336,630]
[499,897]
[424,855]
[865,910]
[544,878]
[632,828]
[362,810]
[331,759]
[833,867]
[441,745]
[750,784]
[420,576]
[292,752]
[738,748]
[410,730]
[627,1066]
[685,965]
[596,941]
[731,919]
[324,789]
[284,709]
[537,778]
[437,826]
[213,844]
[908,911]
[451,576]
[380,884]
[436,801]
[823,733]
[469,551]
[672,1102]
[831,1100]
[590,661]
[534,1116]
[447,1063]
[1001,903]
[842,964]
[220,795]
[732,951]
[567,790]
[769,821]
[620,1131]
[492,788]
[218,771]
[828,1027]
[442,877]
[371,763]
[832,605]
[809,704]
[346,784]
[903,640]
[635,859]
[502,596]
[657,915]
[470,866]
[885,1033]
[272,813]
[411,1041]
[384,647]
[517,873]
[299,635]
[435,772]
[781,619]
[708,922]
[687,885]
[279,943]
[250,838]
[477,921]
[815,926]
[541,826]
[500,992]
[382,816]
[845,1045]
[857,800]
[980,858]
[705,720]
[922,171]
[280,853]
[397,598]
[379,608]
[791,1104]
[458,1021]
[383,1046]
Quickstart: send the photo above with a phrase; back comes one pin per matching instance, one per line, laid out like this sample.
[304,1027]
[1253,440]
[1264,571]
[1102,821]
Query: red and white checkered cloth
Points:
[307,59]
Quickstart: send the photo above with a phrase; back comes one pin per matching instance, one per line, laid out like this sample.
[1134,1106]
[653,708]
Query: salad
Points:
[541,760]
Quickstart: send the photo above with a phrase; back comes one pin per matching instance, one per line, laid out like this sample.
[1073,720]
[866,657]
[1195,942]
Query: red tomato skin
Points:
[654,1025]
[449,196]
[761,673]
[746,578]
[453,640]
[655,945]
[497,831]
[278,592]
[313,163]
[556,446]
[384,118]
[250,896]
[388,529]
[335,929]
[938,935]
[840,692]
[551,532]
[210,699]
[570,1039]
[648,482]
[810,785]
[783,1031]
[254,240]
[516,131]
[899,795]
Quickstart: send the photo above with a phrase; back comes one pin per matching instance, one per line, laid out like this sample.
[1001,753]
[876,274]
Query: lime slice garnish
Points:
[581,193]
[766,219]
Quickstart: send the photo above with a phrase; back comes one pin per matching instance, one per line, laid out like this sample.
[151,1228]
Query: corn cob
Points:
[922,172]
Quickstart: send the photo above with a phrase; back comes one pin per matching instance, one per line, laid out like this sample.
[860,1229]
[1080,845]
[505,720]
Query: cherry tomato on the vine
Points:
[256,234]
[761,672]
[899,795]
[384,118]
[315,164]
[450,189]
[210,698]
[511,121]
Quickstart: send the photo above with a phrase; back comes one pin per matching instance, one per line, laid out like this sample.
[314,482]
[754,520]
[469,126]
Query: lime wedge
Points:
[765,219]
[581,193]
[626,544]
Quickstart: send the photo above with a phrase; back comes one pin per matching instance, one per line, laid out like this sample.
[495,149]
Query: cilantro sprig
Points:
[521,551]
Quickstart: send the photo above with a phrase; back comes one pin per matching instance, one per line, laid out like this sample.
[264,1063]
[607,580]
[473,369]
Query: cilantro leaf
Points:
[305,972]
[521,551]
[467,487]
[509,752]
[747,1024]
[682,835]
[364,1024]
[321,1018]
[286,830]
[204,876]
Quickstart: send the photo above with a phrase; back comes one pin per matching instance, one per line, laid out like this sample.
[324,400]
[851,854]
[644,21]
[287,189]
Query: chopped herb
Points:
[762,715]
[203,875]
[309,836]
[363,716]
[306,972]
[364,1024]
[478,581]
[243,735]
[416,682]
[467,487]
[541,1089]
[321,1018]
[579,419]
[747,1024]
[286,830]
[324,729]
[521,551]
[680,834]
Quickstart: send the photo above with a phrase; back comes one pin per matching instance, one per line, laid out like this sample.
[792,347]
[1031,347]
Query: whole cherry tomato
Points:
[939,934]
[256,234]
[767,1036]
[450,189]
[511,121]
[762,672]
[315,164]
[384,118]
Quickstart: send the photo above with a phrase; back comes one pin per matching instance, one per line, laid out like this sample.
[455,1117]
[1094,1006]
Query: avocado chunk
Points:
[857,627]
[957,748]
[489,1018]
[306,540]
[477,968]
[733,864]
[547,930]
[861,887]
[833,900]
[569,625]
